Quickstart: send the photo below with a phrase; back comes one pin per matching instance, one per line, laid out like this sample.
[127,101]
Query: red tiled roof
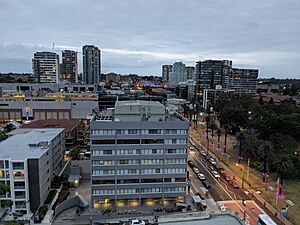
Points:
[53,123]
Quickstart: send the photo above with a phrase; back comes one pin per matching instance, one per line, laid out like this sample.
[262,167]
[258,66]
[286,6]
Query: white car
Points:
[215,173]
[137,222]
[196,170]
[202,152]
[201,176]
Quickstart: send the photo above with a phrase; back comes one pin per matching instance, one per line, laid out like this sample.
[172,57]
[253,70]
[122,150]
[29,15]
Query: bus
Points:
[264,219]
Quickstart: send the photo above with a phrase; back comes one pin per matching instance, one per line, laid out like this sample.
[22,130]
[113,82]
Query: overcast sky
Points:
[138,36]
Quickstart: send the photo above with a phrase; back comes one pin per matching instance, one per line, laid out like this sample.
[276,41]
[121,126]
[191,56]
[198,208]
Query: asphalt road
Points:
[220,189]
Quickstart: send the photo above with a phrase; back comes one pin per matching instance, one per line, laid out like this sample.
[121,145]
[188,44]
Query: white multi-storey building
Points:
[138,154]
[28,162]
[45,66]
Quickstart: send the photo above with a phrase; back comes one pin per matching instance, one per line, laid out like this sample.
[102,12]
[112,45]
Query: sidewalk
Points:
[270,210]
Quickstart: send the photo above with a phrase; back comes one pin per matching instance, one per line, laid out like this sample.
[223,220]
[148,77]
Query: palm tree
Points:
[226,127]
[266,151]
[284,166]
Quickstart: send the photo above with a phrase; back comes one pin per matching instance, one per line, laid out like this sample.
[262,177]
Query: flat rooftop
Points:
[17,146]
[138,103]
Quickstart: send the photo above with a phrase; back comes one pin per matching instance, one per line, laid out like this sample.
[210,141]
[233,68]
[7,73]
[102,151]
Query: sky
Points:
[139,36]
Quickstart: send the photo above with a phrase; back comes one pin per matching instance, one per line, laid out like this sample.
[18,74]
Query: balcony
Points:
[19,175]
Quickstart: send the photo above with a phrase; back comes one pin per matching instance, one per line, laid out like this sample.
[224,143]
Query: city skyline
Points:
[139,37]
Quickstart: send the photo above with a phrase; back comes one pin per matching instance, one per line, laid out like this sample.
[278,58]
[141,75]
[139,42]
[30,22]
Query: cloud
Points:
[146,34]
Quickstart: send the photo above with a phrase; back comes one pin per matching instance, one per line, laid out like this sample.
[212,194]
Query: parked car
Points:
[227,178]
[196,170]
[233,184]
[191,163]
[212,161]
[223,173]
[201,176]
[206,184]
[215,174]
[137,222]
[202,152]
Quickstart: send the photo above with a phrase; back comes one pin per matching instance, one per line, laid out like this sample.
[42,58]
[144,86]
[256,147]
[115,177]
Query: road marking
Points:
[217,182]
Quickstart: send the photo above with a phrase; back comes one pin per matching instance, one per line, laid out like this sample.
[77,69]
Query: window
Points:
[129,142]
[128,172]
[103,172]
[174,189]
[102,162]
[19,185]
[95,182]
[103,152]
[155,131]
[152,161]
[129,131]
[151,171]
[104,192]
[158,180]
[129,162]
[103,142]
[175,161]
[175,170]
[151,190]
[20,195]
[128,191]
[176,151]
[103,132]
[152,151]
[128,181]
[152,141]
[132,131]
[128,152]
[175,141]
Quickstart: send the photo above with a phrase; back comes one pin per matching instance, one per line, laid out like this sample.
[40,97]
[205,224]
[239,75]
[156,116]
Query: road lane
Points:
[220,189]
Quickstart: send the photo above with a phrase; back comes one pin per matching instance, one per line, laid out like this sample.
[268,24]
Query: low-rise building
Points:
[71,129]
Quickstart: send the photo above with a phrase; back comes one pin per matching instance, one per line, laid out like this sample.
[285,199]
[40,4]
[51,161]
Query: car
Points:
[223,173]
[201,176]
[233,184]
[215,174]
[196,170]
[211,168]
[206,184]
[202,152]
[212,161]
[191,163]
[137,222]
[227,178]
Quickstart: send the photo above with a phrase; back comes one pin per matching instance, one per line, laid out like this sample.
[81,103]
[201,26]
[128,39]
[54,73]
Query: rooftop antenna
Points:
[53,46]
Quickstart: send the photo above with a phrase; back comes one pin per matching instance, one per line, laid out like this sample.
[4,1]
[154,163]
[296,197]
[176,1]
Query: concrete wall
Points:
[85,168]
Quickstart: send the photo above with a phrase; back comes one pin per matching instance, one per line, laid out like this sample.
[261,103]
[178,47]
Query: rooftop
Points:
[27,143]
[138,103]
[53,123]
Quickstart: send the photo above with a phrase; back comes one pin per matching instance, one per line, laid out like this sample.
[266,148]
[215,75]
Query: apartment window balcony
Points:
[20,197]
[19,175]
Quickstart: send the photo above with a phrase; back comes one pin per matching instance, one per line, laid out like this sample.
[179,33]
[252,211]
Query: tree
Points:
[266,151]
[271,101]
[4,188]
[284,166]
[74,154]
